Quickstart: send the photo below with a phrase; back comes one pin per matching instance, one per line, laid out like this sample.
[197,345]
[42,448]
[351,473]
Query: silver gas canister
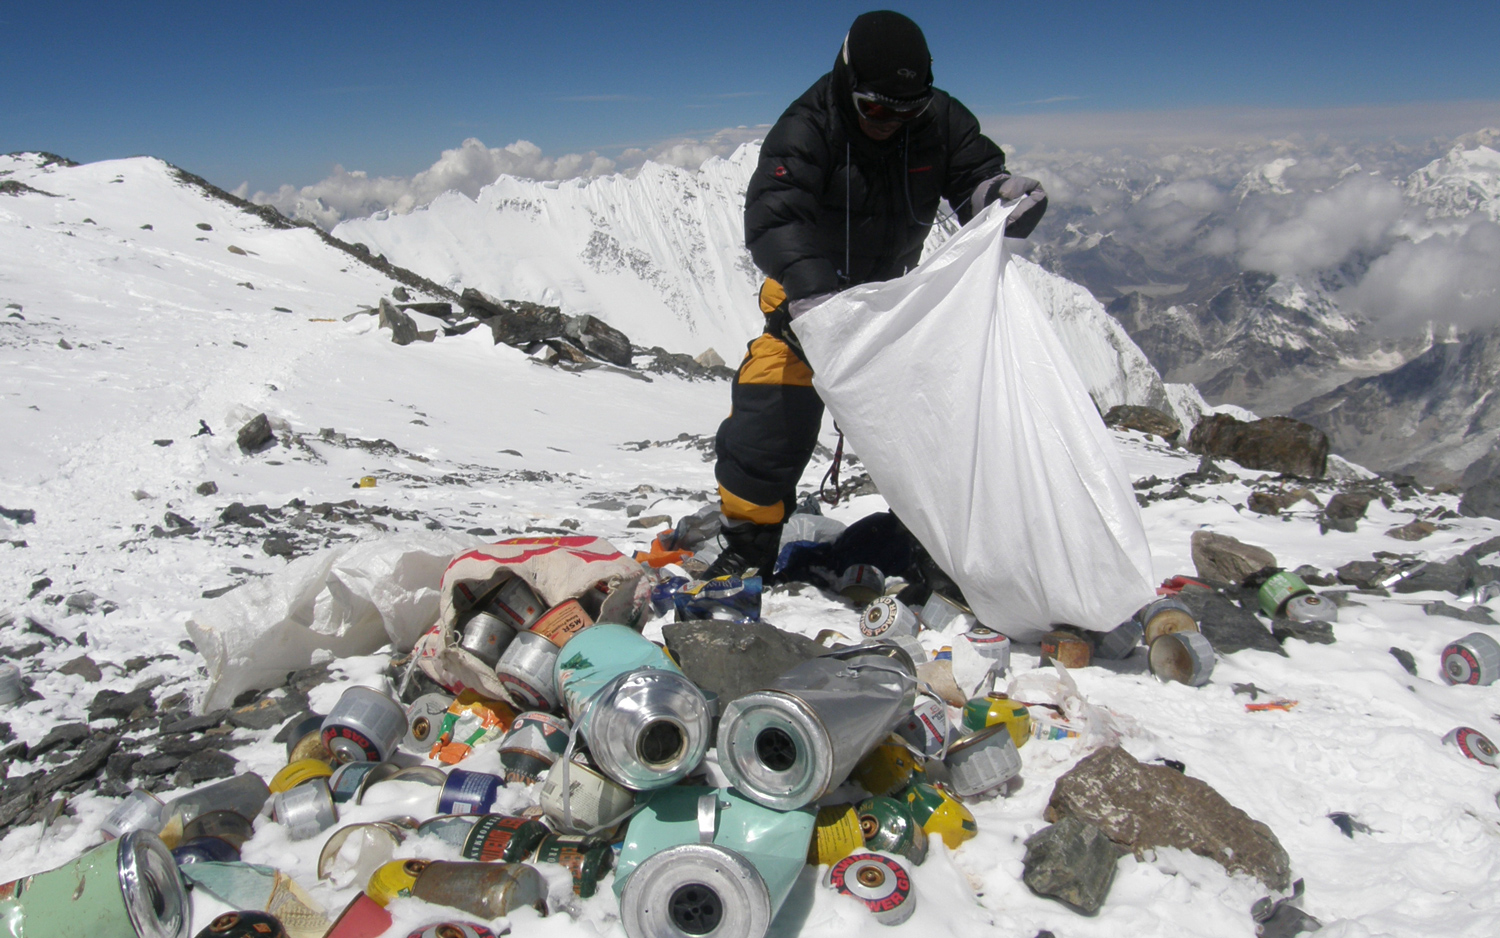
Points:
[990,644]
[424,722]
[364,726]
[306,810]
[882,881]
[1310,607]
[691,890]
[797,740]
[927,728]
[526,669]
[1182,656]
[11,688]
[517,603]
[1475,745]
[1473,659]
[140,811]
[888,617]
[942,614]
[486,636]
[1118,643]
[983,761]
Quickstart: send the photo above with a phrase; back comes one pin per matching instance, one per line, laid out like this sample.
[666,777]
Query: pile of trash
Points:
[698,777]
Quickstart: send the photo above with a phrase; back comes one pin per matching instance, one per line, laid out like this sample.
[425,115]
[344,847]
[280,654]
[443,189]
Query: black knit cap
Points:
[888,55]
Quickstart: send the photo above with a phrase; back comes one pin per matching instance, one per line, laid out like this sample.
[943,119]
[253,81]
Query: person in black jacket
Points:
[849,183]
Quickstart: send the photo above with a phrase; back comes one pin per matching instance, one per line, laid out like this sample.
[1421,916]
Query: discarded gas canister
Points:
[990,644]
[363,917]
[304,739]
[881,881]
[982,762]
[536,740]
[364,726]
[502,837]
[452,829]
[306,810]
[1118,642]
[886,768]
[836,834]
[424,722]
[140,894]
[205,850]
[942,614]
[860,583]
[1163,617]
[587,858]
[927,728]
[562,622]
[488,890]
[243,794]
[1068,649]
[1473,659]
[1182,656]
[698,859]
[140,811]
[587,802]
[887,824]
[486,636]
[225,825]
[517,603]
[1475,745]
[393,880]
[646,725]
[348,780]
[798,739]
[526,669]
[1275,592]
[1310,607]
[471,720]
[887,617]
[352,854]
[296,773]
[244,925]
[940,814]
[997,708]
[453,930]
[469,792]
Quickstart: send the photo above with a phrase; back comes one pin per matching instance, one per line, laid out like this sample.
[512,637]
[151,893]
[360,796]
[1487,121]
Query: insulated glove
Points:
[1028,192]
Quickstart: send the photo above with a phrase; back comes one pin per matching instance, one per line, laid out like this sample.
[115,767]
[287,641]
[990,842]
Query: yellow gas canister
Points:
[940,814]
[887,768]
[836,834]
[982,712]
[394,879]
[297,772]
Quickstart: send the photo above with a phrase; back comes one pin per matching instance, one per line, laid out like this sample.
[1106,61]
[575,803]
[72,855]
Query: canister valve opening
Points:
[695,909]
[661,743]
[776,749]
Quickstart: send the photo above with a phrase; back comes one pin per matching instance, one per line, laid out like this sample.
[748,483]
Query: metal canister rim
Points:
[1187,657]
[879,880]
[695,889]
[744,750]
[983,761]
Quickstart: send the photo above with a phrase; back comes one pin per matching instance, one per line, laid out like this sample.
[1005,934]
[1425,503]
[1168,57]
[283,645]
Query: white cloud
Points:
[1325,229]
[1448,278]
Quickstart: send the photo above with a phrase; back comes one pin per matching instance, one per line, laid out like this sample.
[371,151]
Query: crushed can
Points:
[1475,745]
[836,834]
[1473,659]
[587,802]
[860,583]
[1310,607]
[453,930]
[140,894]
[646,725]
[940,814]
[997,709]
[469,792]
[927,728]
[140,811]
[1274,594]
[888,825]
[881,881]
[526,670]
[727,597]
[245,924]
[471,720]
[488,890]
[1068,649]
[888,617]
[394,880]
[424,722]
[364,726]
[796,740]
[352,854]
[306,810]
[503,837]
[886,768]
[363,917]
[562,622]
[536,740]
[982,762]
[486,636]
[587,858]
[1163,617]
[942,614]
[1119,642]
[1186,657]
[701,861]
[296,773]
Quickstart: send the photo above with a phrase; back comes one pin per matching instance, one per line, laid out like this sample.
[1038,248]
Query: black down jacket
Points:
[801,228]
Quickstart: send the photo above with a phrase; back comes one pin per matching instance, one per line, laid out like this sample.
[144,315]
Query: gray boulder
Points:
[599,339]
[1273,444]
[1481,500]
[1073,862]
[255,434]
[732,659]
[1223,559]
[1144,419]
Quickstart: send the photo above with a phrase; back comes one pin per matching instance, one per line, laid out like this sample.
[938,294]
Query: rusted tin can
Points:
[140,811]
[364,726]
[304,739]
[982,762]
[1276,591]
[488,890]
[1118,643]
[1310,607]
[486,636]
[394,880]
[306,810]
[886,768]
[1473,659]
[888,825]
[836,834]
[1163,617]
[536,740]
[563,621]
[363,917]
[990,644]
[1474,745]
[11,688]
[882,881]
[940,814]
[205,850]
[503,837]
[795,741]
[517,603]
[348,780]
[888,616]
[424,722]
[587,858]
[469,792]
[353,853]
[526,669]
[860,583]
[225,825]
[1068,649]
[244,925]
[927,728]
[1186,657]
[296,773]
[453,930]
[997,709]
[587,802]
[942,614]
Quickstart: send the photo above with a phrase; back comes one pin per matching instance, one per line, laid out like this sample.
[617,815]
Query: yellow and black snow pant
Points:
[767,439]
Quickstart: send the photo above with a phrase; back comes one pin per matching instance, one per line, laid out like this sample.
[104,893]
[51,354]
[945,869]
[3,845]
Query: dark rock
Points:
[204,766]
[158,763]
[1408,662]
[264,713]
[1312,576]
[1207,473]
[1413,530]
[193,724]
[1273,444]
[238,514]
[23,651]
[84,667]
[1343,511]
[1316,633]
[1349,825]
[1141,807]
[649,521]
[67,736]
[255,434]
[400,294]
[440,310]
[1265,503]
[1073,862]
[279,547]
[205,226]
[37,586]
[1481,500]
[1144,419]
[207,488]
[120,764]
[1222,559]
[732,659]
[522,324]
[1226,625]
[1453,576]
[218,591]
[1483,548]
[599,339]
[187,645]
[87,765]
[403,327]
[82,602]
[19,515]
[1476,614]
[113,704]
[1365,574]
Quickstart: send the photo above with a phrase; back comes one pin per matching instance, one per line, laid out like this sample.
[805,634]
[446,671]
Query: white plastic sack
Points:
[347,600]
[979,432]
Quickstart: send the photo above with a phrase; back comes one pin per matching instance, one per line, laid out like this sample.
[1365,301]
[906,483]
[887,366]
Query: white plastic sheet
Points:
[978,430]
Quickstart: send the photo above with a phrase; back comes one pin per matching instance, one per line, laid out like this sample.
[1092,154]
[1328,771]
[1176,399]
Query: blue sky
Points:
[271,93]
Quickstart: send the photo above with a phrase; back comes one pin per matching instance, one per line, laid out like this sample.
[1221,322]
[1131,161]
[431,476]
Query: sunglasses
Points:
[881,109]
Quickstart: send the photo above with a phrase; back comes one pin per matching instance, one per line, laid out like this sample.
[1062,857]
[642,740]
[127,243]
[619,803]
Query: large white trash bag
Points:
[977,429]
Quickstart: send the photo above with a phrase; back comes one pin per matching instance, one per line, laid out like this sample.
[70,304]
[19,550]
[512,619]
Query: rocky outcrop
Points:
[1273,444]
